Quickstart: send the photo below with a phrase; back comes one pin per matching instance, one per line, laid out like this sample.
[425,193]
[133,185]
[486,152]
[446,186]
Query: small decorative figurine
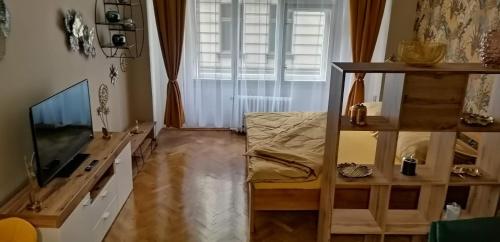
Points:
[409,166]
[357,115]
[128,24]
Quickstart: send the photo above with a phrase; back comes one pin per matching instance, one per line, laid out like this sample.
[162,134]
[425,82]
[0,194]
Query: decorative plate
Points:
[472,119]
[466,170]
[353,170]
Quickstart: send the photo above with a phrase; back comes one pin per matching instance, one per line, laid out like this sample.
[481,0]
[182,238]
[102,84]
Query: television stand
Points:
[83,206]
[67,170]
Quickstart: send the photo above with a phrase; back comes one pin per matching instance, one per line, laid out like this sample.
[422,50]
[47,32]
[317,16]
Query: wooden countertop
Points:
[144,129]
[398,67]
[61,196]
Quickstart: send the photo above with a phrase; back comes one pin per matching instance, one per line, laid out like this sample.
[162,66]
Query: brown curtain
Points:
[366,17]
[170,21]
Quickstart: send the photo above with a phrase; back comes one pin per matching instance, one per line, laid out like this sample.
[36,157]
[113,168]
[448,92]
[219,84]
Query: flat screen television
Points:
[61,126]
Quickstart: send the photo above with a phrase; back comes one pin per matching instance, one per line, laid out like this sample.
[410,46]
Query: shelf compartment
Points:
[356,238]
[377,178]
[373,123]
[495,127]
[406,222]
[423,176]
[121,4]
[124,30]
[405,238]
[111,46]
[354,221]
[432,101]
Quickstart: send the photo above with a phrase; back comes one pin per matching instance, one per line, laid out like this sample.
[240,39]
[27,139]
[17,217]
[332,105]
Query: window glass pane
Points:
[306,45]
[257,57]
[214,22]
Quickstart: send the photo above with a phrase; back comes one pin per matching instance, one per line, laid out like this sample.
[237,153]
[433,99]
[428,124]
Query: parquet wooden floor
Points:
[193,189]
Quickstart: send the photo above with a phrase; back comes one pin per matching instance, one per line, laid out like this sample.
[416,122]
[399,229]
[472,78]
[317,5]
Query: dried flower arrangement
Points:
[103,110]
[35,204]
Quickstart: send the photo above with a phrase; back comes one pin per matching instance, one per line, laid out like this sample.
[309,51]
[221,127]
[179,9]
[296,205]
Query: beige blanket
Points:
[299,146]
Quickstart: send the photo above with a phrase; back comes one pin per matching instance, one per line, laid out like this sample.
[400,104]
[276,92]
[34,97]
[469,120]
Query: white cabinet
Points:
[123,166]
[92,218]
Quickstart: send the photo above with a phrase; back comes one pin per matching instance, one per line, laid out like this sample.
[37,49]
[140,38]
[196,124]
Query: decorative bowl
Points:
[424,54]
[113,16]
[119,39]
[473,119]
[353,170]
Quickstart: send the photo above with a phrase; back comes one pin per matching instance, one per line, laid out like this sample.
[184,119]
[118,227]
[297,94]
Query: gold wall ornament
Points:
[489,51]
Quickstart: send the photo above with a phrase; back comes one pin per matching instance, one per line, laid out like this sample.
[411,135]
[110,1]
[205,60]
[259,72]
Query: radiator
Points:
[248,104]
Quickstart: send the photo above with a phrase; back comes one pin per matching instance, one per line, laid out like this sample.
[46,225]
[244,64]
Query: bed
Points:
[274,185]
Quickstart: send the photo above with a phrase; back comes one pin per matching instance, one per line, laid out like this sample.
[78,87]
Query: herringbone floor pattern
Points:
[193,189]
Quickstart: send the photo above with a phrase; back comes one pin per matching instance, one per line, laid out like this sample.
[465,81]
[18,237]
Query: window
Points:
[225,27]
[214,38]
[304,48]
[306,45]
[258,60]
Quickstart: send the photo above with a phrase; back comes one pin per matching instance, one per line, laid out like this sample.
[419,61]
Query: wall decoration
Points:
[80,36]
[461,24]
[4,26]
[113,74]
[4,19]
[123,62]
[103,110]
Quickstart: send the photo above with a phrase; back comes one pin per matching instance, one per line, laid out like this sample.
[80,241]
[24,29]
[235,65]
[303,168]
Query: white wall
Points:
[159,77]
[38,64]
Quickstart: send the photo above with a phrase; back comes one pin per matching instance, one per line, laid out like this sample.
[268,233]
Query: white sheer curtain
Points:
[259,56]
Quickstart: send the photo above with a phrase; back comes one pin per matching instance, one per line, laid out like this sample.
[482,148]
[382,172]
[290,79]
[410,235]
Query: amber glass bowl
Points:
[417,53]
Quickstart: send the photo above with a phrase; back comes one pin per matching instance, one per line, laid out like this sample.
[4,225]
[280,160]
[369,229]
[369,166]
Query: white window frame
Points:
[279,45]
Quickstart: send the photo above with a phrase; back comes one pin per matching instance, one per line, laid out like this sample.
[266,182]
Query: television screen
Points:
[61,127]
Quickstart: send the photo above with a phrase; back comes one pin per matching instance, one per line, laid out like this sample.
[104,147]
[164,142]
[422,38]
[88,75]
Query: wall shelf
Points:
[374,123]
[105,30]
[406,222]
[354,221]
[122,4]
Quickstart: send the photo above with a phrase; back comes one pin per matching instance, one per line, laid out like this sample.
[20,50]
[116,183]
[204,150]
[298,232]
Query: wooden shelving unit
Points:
[416,100]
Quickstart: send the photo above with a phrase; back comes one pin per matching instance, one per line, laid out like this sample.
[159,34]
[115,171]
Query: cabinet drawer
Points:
[105,220]
[88,213]
[102,201]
